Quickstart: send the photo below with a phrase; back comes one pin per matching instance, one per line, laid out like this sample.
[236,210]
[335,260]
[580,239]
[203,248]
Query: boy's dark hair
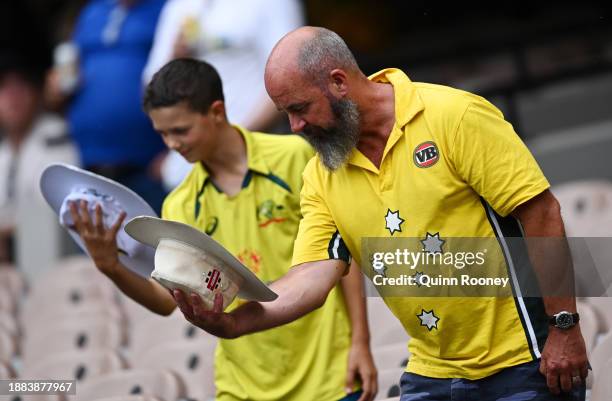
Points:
[184,80]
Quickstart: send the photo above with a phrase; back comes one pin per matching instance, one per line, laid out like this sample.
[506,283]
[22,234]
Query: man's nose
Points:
[297,124]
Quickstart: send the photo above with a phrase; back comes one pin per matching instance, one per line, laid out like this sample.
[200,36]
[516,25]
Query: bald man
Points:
[403,159]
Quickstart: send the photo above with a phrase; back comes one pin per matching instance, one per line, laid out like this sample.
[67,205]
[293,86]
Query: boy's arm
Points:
[360,363]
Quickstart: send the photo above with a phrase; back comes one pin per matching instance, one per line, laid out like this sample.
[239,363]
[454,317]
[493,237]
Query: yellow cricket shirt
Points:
[304,360]
[453,167]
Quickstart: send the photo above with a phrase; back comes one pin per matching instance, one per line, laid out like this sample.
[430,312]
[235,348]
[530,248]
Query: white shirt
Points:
[46,143]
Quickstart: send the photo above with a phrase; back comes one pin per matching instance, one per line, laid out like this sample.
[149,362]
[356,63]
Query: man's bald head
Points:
[309,75]
[311,52]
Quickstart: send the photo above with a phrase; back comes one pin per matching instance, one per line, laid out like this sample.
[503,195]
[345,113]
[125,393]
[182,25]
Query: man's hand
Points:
[101,242]
[564,360]
[303,289]
[361,368]
[215,321]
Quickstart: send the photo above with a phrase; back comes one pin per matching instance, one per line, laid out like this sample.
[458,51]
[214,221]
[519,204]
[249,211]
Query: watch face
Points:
[564,320]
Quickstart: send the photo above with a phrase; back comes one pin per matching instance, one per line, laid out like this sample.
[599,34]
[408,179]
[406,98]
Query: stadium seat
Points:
[146,382]
[72,268]
[191,361]
[388,382]
[602,352]
[603,309]
[389,334]
[157,329]
[602,386]
[589,324]
[5,371]
[43,397]
[586,206]
[74,335]
[8,347]
[129,398]
[8,323]
[8,304]
[12,280]
[385,328]
[73,365]
[72,271]
[391,356]
[39,322]
[73,264]
[133,311]
[68,295]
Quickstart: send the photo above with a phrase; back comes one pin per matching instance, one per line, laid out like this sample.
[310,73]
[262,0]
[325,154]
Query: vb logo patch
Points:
[426,154]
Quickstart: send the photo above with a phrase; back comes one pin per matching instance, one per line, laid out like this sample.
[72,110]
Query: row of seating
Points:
[389,348]
[74,323]
[95,327]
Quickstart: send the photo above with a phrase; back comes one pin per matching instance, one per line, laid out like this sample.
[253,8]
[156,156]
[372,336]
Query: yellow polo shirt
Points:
[452,167]
[304,360]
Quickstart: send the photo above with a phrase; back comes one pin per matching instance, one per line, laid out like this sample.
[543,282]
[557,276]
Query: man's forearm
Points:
[300,291]
[552,262]
[549,251]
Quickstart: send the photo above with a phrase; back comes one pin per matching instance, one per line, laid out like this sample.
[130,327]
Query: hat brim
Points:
[150,230]
[58,180]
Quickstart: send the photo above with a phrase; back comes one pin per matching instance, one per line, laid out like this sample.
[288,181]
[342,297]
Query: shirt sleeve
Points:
[317,238]
[488,154]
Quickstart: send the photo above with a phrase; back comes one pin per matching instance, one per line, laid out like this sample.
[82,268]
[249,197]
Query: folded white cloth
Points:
[111,209]
[187,268]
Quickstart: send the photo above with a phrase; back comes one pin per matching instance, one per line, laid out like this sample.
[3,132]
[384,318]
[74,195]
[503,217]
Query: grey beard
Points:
[335,144]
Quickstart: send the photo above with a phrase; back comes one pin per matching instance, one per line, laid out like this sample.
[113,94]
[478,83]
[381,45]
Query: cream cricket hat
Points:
[189,260]
[61,183]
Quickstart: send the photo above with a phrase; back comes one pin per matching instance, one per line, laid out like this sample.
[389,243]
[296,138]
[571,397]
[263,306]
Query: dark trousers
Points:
[518,383]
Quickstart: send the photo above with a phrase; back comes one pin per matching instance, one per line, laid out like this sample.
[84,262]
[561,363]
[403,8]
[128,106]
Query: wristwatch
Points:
[563,320]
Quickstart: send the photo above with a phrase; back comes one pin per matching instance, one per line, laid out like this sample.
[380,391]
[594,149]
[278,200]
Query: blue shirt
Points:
[105,116]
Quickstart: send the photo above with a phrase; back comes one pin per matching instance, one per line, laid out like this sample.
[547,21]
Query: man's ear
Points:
[338,83]
[217,111]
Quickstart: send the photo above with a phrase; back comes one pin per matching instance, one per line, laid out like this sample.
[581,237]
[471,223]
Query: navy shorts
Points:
[518,383]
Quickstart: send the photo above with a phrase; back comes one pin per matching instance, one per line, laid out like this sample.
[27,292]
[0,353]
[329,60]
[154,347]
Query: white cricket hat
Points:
[189,260]
[61,183]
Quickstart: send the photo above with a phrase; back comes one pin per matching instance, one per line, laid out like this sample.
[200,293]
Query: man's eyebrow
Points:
[295,106]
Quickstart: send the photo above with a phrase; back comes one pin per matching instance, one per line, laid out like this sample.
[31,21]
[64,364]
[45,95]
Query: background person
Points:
[114,137]
[32,139]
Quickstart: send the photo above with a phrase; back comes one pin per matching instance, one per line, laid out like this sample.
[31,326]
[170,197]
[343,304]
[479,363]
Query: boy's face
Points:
[188,132]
